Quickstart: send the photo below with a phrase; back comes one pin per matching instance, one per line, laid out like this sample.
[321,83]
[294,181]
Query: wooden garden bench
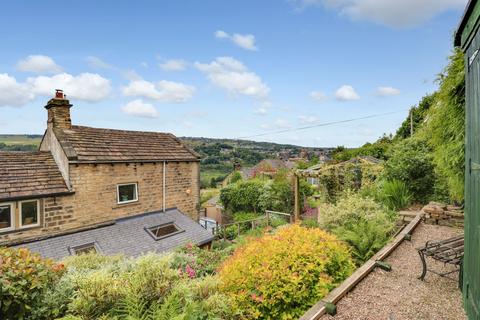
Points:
[448,251]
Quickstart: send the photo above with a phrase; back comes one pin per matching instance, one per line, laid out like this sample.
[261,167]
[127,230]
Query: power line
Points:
[320,125]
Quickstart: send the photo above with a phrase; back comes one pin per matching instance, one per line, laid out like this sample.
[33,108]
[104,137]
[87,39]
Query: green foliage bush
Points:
[25,281]
[378,149]
[235,177]
[444,128]
[196,262]
[418,114]
[258,195]
[279,276]
[394,194]
[349,209]
[365,236]
[360,221]
[334,179]
[149,287]
[412,163]
[243,196]
[244,216]
[310,223]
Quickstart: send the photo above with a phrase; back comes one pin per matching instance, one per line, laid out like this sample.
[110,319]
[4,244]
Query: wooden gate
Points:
[471,283]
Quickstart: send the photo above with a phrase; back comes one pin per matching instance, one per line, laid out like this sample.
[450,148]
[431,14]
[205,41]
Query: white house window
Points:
[29,213]
[127,193]
[6,216]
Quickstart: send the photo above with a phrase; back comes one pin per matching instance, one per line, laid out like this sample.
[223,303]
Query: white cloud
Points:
[144,64]
[387,91]
[244,41]
[173,65]
[221,34]
[277,124]
[308,119]
[12,93]
[282,123]
[98,63]
[346,93]
[196,114]
[261,111]
[138,108]
[231,75]
[38,64]
[165,91]
[393,13]
[318,95]
[85,86]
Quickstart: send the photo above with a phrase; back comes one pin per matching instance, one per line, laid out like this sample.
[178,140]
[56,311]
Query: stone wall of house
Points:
[50,143]
[95,197]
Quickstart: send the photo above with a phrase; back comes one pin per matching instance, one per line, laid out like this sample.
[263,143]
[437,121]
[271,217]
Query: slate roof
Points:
[126,236]
[85,144]
[29,174]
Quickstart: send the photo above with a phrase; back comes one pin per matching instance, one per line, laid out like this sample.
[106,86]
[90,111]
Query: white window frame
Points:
[127,184]
[12,216]
[20,215]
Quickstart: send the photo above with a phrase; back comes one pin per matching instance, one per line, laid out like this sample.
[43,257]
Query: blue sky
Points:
[225,68]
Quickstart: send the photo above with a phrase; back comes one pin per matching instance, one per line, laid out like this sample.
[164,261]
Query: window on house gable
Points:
[127,193]
[29,213]
[164,230]
[6,216]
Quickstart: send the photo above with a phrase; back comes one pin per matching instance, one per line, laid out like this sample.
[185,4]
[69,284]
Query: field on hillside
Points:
[16,139]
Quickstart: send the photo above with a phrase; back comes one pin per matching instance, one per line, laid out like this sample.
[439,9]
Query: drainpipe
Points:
[164,187]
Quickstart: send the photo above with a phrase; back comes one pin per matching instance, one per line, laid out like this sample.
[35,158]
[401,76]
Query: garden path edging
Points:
[319,309]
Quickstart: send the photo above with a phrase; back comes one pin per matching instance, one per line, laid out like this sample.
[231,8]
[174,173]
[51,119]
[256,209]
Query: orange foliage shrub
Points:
[24,277]
[280,276]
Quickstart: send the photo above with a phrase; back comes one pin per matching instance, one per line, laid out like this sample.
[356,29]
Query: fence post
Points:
[238,229]
[268,217]
[296,190]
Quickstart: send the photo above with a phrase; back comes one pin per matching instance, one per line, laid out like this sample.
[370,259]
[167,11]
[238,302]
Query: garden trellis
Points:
[334,178]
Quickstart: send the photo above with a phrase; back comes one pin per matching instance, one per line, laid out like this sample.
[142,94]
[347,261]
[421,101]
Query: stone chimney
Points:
[59,112]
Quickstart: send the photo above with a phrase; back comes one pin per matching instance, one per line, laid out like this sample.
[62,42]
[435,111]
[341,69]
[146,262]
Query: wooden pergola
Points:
[317,170]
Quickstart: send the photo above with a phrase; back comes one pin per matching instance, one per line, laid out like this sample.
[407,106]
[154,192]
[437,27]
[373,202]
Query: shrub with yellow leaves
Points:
[279,276]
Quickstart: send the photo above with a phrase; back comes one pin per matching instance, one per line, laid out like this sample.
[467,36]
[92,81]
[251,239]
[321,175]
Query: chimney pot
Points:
[59,111]
[59,94]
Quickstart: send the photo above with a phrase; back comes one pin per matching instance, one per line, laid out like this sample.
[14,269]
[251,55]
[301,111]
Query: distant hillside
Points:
[218,155]
[19,142]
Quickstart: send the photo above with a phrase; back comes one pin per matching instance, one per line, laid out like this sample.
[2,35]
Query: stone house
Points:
[84,178]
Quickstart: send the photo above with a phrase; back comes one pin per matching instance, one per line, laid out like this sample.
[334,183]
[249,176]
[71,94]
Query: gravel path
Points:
[399,295]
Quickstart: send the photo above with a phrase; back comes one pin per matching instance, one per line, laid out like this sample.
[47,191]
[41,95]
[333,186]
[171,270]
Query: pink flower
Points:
[256,298]
[190,271]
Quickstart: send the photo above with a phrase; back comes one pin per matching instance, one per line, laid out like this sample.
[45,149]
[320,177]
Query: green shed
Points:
[468,38]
